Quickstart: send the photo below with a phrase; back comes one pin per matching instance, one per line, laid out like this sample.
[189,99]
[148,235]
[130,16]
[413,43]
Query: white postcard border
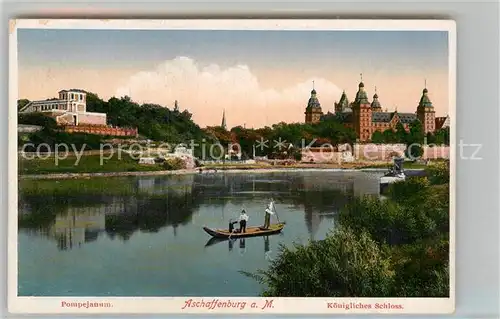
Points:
[253,305]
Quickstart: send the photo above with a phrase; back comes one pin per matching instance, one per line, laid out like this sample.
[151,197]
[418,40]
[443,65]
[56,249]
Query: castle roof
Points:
[441,121]
[407,117]
[375,103]
[361,97]
[345,117]
[344,102]
[385,117]
[50,101]
[424,100]
[313,101]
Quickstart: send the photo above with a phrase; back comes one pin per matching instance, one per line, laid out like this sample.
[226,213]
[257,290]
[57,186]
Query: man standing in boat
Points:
[269,212]
[243,221]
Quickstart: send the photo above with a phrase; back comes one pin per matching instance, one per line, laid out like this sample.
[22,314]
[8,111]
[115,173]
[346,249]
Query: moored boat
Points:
[392,178]
[396,174]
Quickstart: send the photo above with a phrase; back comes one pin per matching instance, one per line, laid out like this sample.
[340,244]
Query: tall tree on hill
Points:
[377,137]
[415,140]
[401,134]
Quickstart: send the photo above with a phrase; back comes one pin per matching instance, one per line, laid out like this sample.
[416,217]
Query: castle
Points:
[366,118]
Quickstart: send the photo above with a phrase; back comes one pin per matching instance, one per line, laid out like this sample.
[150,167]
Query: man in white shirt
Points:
[243,221]
[269,212]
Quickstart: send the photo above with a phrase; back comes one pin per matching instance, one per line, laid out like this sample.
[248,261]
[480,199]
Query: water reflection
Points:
[241,243]
[162,202]
[242,246]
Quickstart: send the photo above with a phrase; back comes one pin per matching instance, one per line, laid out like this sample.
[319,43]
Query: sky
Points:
[258,77]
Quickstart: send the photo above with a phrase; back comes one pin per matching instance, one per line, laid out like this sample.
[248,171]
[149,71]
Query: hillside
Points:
[153,121]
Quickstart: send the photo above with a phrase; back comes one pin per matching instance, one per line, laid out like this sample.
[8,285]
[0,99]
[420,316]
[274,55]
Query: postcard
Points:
[232,166]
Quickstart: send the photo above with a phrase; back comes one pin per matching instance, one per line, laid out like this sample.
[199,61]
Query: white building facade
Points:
[69,109]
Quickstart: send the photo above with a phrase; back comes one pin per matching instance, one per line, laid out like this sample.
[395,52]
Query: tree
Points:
[441,137]
[377,137]
[37,118]
[415,140]
[334,131]
[431,138]
[95,104]
[401,134]
[389,136]
[22,103]
[417,133]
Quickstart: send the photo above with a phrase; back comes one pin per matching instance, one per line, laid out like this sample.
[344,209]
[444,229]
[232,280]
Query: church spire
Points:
[223,125]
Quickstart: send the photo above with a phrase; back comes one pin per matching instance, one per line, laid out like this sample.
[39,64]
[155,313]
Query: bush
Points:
[439,172]
[172,164]
[414,211]
[422,269]
[38,119]
[411,187]
[386,221]
[297,155]
[53,137]
[344,264]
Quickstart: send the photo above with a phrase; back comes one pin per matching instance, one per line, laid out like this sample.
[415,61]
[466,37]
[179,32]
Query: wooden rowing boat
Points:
[250,231]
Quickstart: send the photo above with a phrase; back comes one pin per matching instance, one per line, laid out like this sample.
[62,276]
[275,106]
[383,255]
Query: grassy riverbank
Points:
[85,164]
[68,187]
[398,247]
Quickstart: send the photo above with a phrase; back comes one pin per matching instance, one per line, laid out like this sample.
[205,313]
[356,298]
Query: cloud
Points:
[208,90]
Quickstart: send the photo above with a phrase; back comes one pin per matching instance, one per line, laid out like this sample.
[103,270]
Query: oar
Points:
[275,211]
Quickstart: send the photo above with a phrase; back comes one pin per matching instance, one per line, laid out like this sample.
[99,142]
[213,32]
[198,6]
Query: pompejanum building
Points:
[69,110]
[366,118]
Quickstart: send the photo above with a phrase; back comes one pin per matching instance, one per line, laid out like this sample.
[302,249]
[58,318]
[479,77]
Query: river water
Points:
[142,236]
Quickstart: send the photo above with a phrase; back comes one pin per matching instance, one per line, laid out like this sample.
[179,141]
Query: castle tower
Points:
[223,124]
[313,110]
[362,113]
[376,106]
[343,104]
[426,113]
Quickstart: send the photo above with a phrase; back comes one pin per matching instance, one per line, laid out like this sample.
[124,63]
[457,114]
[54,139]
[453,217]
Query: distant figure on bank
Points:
[269,212]
[243,221]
